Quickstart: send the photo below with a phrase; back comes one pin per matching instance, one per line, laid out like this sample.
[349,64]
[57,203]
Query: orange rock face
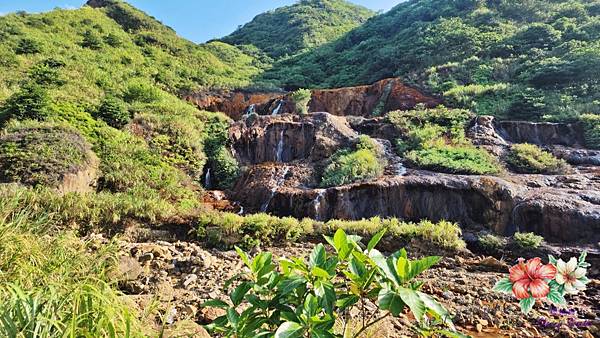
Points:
[377,99]
[372,100]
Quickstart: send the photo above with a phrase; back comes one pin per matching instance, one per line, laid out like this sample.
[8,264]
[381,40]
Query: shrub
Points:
[91,40]
[591,124]
[113,40]
[528,240]
[364,163]
[301,98]
[531,159]
[455,159]
[227,229]
[41,154]
[317,292]
[225,169]
[28,46]
[492,242]
[44,74]
[140,91]
[114,112]
[31,102]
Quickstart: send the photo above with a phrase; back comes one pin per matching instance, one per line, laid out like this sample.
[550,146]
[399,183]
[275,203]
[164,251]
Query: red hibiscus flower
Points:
[529,279]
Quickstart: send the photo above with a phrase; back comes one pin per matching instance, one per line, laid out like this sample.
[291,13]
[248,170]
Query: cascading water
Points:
[207,180]
[278,185]
[278,108]
[279,149]
[317,204]
[395,166]
[250,110]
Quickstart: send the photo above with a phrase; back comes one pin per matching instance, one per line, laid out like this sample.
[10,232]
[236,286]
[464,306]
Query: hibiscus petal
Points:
[569,288]
[520,289]
[560,278]
[547,271]
[579,285]
[517,273]
[561,266]
[572,265]
[539,288]
[533,265]
[580,272]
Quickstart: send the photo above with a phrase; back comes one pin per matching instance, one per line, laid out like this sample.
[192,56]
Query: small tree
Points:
[301,98]
[91,40]
[113,112]
[28,46]
[31,102]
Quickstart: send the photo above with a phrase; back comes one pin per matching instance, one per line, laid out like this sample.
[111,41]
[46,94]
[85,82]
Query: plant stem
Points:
[370,324]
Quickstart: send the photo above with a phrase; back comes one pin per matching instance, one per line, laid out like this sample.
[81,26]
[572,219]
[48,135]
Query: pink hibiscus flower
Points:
[529,279]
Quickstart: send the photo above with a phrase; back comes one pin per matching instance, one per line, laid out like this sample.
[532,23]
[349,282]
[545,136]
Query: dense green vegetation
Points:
[290,30]
[301,99]
[54,284]
[531,159]
[347,166]
[228,230]
[535,59]
[41,154]
[528,240]
[435,139]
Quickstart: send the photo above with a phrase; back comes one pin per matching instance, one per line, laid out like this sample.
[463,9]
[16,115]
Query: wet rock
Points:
[543,133]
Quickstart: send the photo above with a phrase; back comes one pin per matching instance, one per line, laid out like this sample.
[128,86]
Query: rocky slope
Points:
[368,101]
[285,154]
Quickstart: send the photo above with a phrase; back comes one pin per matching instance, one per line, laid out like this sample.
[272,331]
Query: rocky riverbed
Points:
[169,280]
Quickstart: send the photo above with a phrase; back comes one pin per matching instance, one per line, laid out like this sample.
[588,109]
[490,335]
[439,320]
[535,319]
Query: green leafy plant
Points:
[301,98]
[531,159]
[455,159]
[114,112]
[528,240]
[492,242]
[308,298]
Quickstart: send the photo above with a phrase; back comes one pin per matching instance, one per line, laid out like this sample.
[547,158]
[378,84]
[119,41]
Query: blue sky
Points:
[196,20]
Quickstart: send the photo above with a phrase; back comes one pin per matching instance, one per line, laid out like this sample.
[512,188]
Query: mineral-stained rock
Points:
[544,133]
[370,100]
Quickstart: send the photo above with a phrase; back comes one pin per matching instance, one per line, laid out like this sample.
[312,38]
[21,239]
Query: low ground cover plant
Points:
[530,159]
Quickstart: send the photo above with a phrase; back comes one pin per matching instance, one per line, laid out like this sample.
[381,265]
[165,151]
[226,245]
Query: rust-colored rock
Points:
[370,100]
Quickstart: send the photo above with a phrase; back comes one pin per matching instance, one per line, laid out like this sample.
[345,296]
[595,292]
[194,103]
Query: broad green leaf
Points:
[390,301]
[215,303]
[340,240]
[347,301]
[375,240]
[238,293]
[414,302]
[311,305]
[233,317]
[318,272]
[317,256]
[289,330]
[437,309]
[504,285]
[527,304]
[556,297]
[418,266]
[403,268]
[326,293]
[357,267]
[243,256]
[290,284]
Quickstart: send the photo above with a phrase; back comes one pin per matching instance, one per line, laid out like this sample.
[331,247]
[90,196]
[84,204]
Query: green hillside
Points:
[534,59]
[289,30]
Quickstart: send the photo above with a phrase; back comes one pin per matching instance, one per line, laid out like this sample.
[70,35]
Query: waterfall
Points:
[251,109]
[207,179]
[317,204]
[395,165]
[278,185]
[241,212]
[279,149]
[278,108]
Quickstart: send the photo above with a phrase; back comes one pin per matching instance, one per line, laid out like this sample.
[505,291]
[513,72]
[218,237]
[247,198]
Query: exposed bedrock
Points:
[370,100]
[543,133]
[290,137]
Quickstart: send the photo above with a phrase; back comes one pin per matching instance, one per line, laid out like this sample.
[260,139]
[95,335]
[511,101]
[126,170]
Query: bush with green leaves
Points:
[228,230]
[531,159]
[141,91]
[42,153]
[528,240]
[316,297]
[301,98]
[492,242]
[28,46]
[223,165]
[347,166]
[591,125]
[455,160]
[114,112]
[30,102]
